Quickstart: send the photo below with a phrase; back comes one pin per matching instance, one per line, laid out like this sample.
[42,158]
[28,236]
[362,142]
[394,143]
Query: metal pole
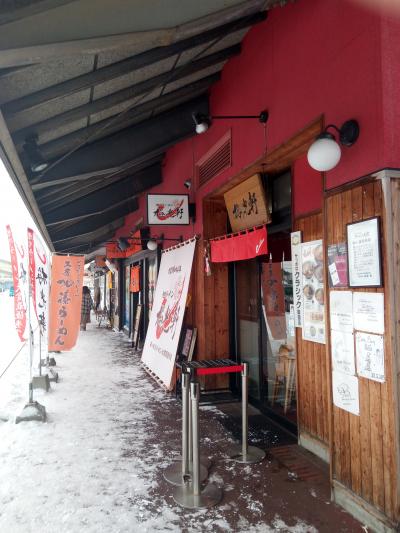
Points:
[245,414]
[179,473]
[185,424]
[244,453]
[194,397]
[191,495]
[30,342]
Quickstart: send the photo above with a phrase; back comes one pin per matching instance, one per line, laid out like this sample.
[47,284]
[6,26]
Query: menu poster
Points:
[337,265]
[343,352]
[363,240]
[312,270]
[295,240]
[345,392]
[369,312]
[370,356]
[341,310]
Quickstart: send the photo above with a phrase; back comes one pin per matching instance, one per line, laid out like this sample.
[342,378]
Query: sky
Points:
[12,211]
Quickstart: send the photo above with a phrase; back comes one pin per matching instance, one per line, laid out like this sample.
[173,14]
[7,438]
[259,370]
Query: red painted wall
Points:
[309,58]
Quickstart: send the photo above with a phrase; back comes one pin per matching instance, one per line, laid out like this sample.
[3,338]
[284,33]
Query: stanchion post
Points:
[194,398]
[192,496]
[185,425]
[245,409]
[179,473]
[246,454]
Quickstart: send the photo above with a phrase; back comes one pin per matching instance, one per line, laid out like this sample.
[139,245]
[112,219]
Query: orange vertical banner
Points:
[135,279]
[65,301]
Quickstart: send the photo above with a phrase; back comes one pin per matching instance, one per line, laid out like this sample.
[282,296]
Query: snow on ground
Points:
[96,465]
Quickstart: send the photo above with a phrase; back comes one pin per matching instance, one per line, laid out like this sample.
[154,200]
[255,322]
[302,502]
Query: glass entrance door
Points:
[264,334]
[248,321]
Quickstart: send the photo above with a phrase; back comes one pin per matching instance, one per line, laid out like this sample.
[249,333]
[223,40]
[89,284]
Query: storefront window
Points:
[248,321]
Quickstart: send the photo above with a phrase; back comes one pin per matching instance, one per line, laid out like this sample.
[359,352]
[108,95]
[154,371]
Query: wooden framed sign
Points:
[364,253]
[246,204]
[168,209]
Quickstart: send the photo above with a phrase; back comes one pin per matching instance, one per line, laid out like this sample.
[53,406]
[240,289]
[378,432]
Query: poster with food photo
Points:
[312,268]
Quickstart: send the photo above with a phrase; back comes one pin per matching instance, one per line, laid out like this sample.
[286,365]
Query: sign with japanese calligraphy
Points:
[163,333]
[168,209]
[295,241]
[19,265]
[65,301]
[39,279]
[246,204]
[312,268]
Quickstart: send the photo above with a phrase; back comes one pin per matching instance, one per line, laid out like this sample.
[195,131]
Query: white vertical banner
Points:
[19,264]
[39,272]
[295,241]
[162,338]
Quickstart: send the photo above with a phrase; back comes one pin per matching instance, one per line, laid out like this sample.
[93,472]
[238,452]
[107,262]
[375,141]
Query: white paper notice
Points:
[295,240]
[368,312]
[342,345]
[345,392]
[364,253]
[341,310]
[370,356]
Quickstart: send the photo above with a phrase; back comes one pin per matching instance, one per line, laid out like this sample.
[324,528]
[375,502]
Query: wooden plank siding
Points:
[364,454]
[212,295]
[312,380]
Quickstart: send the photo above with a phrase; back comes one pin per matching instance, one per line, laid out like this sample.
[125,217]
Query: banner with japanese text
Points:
[135,279]
[39,270]
[161,344]
[19,265]
[65,301]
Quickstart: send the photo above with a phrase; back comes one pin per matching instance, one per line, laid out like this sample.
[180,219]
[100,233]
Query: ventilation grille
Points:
[217,159]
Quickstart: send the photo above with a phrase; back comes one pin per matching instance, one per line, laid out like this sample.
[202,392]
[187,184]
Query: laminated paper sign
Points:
[312,268]
[342,346]
[295,240]
[162,338]
[65,301]
[369,312]
[346,392]
[341,310]
[370,356]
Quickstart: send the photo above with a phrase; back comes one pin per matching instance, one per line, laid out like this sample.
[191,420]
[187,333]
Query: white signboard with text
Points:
[295,241]
[168,209]
[161,344]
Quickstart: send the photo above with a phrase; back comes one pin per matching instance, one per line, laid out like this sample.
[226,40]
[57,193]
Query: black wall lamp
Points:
[152,242]
[325,152]
[203,122]
[36,160]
